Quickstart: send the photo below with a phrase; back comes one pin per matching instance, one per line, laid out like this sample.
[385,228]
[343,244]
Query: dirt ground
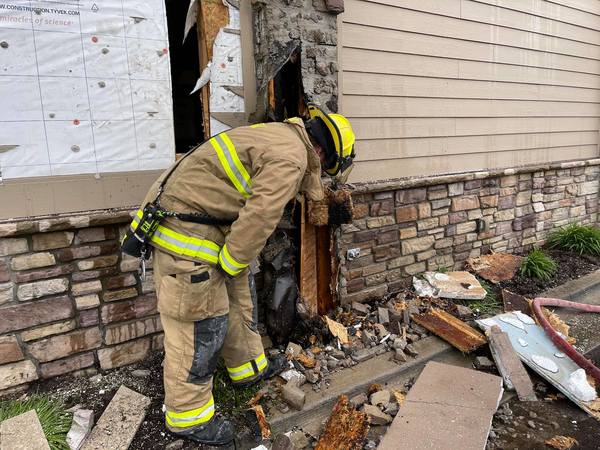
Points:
[571,266]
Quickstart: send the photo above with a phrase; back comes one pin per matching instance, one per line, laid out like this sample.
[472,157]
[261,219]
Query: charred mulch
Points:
[571,266]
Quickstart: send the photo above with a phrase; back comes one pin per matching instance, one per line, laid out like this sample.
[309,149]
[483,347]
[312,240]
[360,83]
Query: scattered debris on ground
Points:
[447,407]
[536,350]
[562,442]
[455,331]
[495,267]
[346,428]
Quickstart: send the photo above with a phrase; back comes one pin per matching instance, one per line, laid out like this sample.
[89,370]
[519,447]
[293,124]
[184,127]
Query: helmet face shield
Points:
[342,138]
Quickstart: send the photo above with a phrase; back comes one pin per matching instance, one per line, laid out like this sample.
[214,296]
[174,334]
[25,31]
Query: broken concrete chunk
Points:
[368,353]
[380,398]
[298,439]
[456,285]
[399,355]
[83,421]
[463,312]
[360,308]
[484,363]
[376,416]
[383,316]
[23,432]
[311,376]
[392,409]
[366,337]
[411,350]
[423,288]
[119,422]
[294,396]
[399,343]
[381,330]
[358,400]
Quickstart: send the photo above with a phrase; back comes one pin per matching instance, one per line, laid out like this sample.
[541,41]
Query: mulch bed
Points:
[570,266]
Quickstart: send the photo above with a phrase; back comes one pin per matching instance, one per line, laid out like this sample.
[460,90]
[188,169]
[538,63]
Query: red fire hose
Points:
[579,359]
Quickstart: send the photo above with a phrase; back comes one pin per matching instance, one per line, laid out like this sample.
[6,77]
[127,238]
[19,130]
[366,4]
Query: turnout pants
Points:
[204,314]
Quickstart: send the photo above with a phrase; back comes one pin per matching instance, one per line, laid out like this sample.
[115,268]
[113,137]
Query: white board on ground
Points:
[535,349]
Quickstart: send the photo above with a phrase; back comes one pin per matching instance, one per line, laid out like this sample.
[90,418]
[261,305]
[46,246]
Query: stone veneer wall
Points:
[69,300]
[409,226]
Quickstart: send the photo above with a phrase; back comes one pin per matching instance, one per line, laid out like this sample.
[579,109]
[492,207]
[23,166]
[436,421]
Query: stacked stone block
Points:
[407,227]
[70,300]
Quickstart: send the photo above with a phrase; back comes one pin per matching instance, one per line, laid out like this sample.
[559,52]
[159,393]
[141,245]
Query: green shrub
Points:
[55,421]
[538,265]
[581,239]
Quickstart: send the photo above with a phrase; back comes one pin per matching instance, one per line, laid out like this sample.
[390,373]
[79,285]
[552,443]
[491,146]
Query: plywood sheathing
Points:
[346,428]
[509,365]
[215,15]
[455,331]
[308,264]
[448,407]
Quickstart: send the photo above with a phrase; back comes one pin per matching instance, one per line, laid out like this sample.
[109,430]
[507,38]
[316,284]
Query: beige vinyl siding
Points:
[442,86]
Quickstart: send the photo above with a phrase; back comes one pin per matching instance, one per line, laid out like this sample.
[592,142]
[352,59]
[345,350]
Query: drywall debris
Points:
[346,428]
[578,384]
[561,442]
[423,288]
[495,267]
[337,330]
[119,422]
[23,432]
[454,285]
[358,400]
[448,407]
[83,421]
[293,350]
[509,365]
[451,329]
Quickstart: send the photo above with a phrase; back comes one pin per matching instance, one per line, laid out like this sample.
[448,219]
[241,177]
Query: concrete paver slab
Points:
[448,407]
[119,422]
[23,432]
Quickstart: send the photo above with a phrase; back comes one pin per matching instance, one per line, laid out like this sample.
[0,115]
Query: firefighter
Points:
[218,205]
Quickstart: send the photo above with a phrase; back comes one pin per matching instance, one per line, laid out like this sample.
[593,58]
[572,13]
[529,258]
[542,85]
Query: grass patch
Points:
[490,305]
[538,265]
[581,239]
[229,398]
[55,421]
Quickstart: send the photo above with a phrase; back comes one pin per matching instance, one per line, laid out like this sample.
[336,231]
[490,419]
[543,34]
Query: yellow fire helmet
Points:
[341,140]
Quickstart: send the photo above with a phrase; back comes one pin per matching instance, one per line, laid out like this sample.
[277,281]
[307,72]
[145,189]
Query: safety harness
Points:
[146,228]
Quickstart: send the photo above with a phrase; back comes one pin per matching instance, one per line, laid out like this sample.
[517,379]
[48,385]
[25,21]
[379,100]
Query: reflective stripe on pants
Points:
[191,418]
[248,370]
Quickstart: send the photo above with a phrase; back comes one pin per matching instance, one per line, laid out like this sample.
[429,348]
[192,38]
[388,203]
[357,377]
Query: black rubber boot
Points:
[275,366]
[219,431]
